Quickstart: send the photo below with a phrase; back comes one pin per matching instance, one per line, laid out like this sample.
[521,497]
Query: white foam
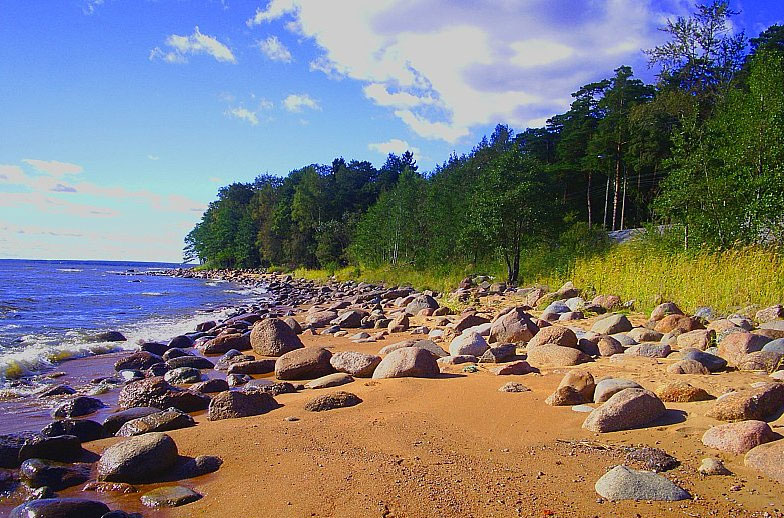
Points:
[69,270]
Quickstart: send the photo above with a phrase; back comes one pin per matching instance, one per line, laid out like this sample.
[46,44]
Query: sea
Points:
[50,312]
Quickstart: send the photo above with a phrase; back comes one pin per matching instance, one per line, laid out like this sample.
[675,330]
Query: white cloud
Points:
[274,49]
[296,102]
[243,114]
[91,6]
[153,157]
[196,43]
[445,67]
[53,167]
[394,145]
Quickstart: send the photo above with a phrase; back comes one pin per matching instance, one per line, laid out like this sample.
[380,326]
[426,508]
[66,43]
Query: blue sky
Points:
[121,118]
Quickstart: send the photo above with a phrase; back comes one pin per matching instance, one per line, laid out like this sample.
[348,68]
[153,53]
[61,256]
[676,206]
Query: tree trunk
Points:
[606,200]
[617,186]
[588,197]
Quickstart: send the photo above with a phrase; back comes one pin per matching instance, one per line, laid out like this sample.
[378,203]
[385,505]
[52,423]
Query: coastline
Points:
[453,445]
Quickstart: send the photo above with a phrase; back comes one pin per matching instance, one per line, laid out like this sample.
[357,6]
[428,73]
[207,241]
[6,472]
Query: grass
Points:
[726,281]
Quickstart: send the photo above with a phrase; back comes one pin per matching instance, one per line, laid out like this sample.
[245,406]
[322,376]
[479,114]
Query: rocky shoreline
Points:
[307,345]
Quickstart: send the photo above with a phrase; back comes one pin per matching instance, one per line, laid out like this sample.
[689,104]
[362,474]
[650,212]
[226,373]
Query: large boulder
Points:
[649,350]
[624,483]
[273,337]
[320,318]
[575,388]
[357,364]
[768,361]
[629,408]
[554,335]
[421,302]
[63,448]
[755,403]
[115,421]
[190,361]
[514,326]
[681,392]
[85,429]
[608,387]
[612,324]
[77,407]
[226,342]
[681,323]
[699,339]
[141,360]
[36,473]
[169,419]
[408,362]
[306,363]
[469,321]
[735,346]
[264,366]
[332,401]
[555,356]
[349,319]
[711,362]
[770,313]
[738,437]
[687,367]
[234,404]
[768,459]
[10,445]
[665,309]
[60,508]
[157,392]
[468,343]
[138,459]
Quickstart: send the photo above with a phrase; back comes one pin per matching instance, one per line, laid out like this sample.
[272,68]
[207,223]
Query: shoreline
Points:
[453,445]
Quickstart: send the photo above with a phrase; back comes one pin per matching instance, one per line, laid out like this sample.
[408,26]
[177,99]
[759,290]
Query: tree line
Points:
[701,150]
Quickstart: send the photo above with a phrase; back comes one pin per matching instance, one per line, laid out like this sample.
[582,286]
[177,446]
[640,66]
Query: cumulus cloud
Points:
[444,67]
[395,145]
[91,6]
[297,102]
[197,43]
[243,114]
[274,49]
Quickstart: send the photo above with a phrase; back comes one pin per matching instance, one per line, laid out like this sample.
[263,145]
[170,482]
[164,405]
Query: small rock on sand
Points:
[332,401]
[514,387]
[623,483]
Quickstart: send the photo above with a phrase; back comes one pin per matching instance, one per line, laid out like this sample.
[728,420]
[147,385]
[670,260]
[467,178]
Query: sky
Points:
[120,119]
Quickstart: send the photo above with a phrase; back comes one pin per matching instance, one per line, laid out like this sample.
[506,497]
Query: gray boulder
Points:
[234,404]
[138,459]
[612,324]
[408,362]
[306,363]
[273,337]
[623,483]
[169,419]
[629,408]
[357,364]
[60,508]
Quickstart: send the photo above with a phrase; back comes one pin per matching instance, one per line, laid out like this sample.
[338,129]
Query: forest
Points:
[700,152]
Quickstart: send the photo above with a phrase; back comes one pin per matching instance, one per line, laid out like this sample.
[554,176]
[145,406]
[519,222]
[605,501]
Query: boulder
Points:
[169,419]
[767,459]
[181,342]
[421,302]
[190,361]
[138,459]
[332,401]
[554,335]
[767,361]
[60,508]
[514,326]
[649,350]
[755,403]
[399,324]
[687,367]
[457,360]
[681,392]
[357,364]
[115,421]
[469,321]
[320,318]
[306,363]
[682,323]
[735,346]
[157,392]
[555,356]
[514,369]
[264,366]
[698,339]
[330,380]
[738,437]
[77,407]
[565,396]
[408,362]
[211,386]
[10,445]
[273,337]
[643,334]
[110,336]
[183,376]
[712,466]
[623,483]
[350,319]
[169,496]
[233,404]
[582,382]
[84,429]
[608,346]
[499,353]
[36,473]
[665,309]
[468,343]
[776,346]
[225,342]
[61,389]
[141,360]
[627,409]
[611,324]
[770,313]
[608,302]
[293,324]
[63,448]
[608,387]
[711,362]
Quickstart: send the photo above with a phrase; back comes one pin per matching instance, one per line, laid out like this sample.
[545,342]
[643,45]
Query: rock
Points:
[157,392]
[513,386]
[63,448]
[330,380]
[350,319]
[623,483]
[193,362]
[652,459]
[737,345]
[608,302]
[211,386]
[399,324]
[767,361]
[235,404]
[770,313]
[332,401]
[608,387]
[499,353]
[183,376]
[514,369]
[767,459]
[181,342]
[137,459]
[554,335]
[681,392]
[611,324]
[60,389]
[141,361]
[627,409]
[169,496]
[36,473]
[10,445]
[264,366]
[468,343]
[273,389]
[624,339]
[421,302]
[115,421]
[457,360]
[231,357]
[170,419]
[738,437]
[306,363]
[430,347]
[642,334]
[687,367]
[469,321]
[662,310]
[556,308]
[776,346]
[274,337]
[609,346]
[513,327]
[79,406]
[109,487]
[408,362]
[320,318]
[225,342]
[681,323]
[84,429]
[565,396]
[756,403]
[110,336]
[357,364]
[699,339]
[555,356]
[712,466]
[60,508]
[581,381]
[649,350]
[711,362]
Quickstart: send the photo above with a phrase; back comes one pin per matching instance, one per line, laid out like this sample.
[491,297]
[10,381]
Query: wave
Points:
[153,293]
[69,270]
